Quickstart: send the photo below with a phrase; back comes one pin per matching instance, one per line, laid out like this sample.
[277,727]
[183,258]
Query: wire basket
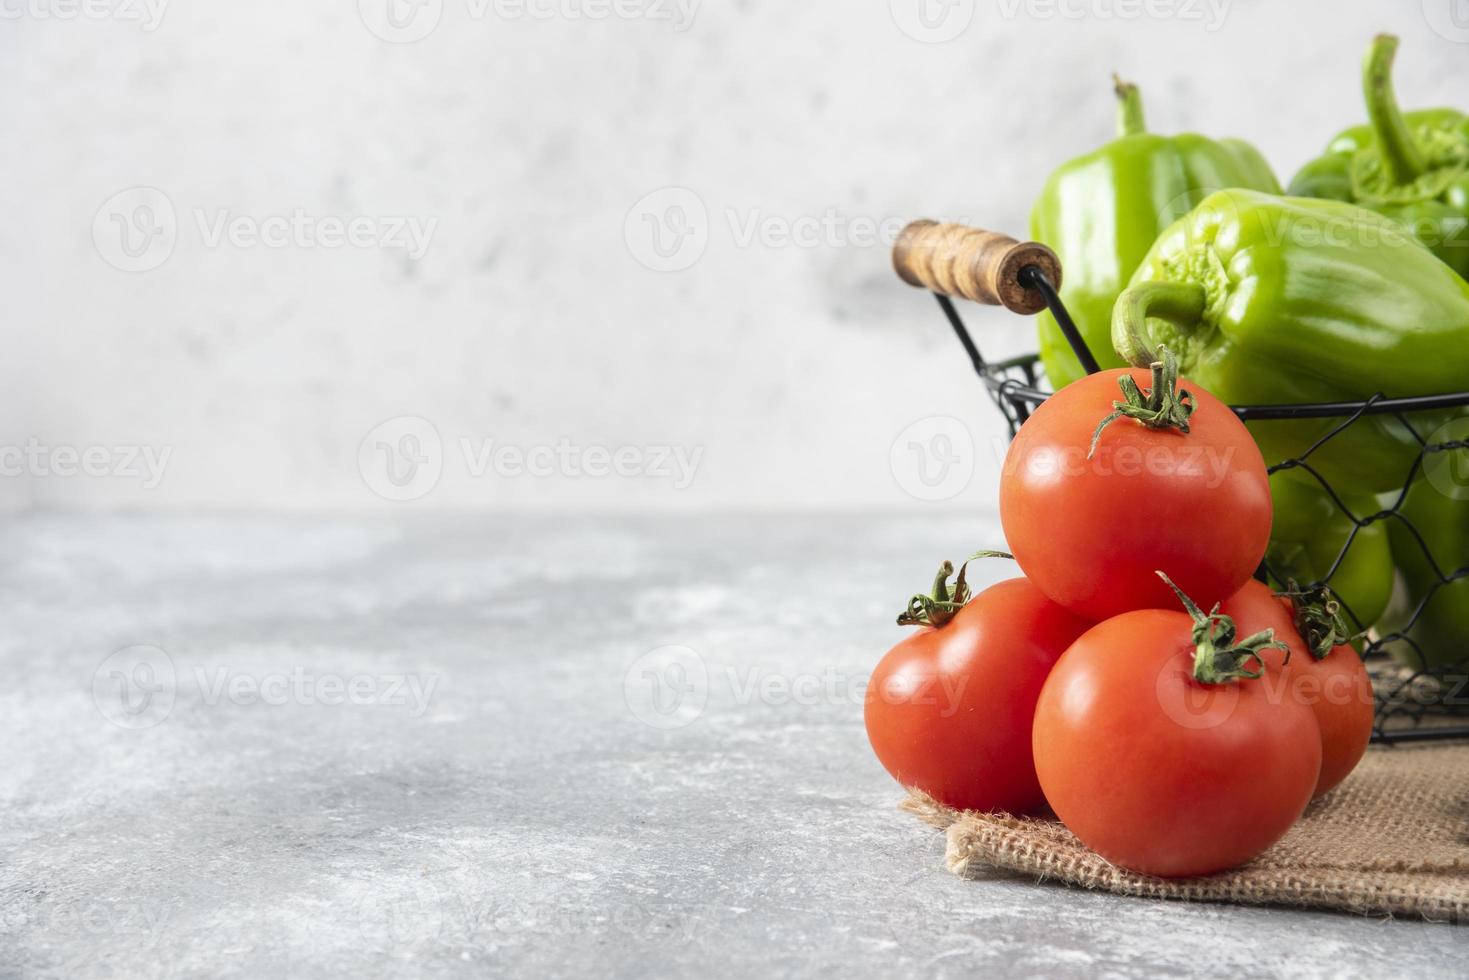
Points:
[1416,700]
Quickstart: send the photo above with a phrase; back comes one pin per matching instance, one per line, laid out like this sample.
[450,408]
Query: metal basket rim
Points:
[1014,390]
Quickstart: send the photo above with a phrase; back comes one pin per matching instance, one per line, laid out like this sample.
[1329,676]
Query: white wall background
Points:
[529,320]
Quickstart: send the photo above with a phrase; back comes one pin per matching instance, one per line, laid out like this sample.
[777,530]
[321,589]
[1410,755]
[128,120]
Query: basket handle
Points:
[978,265]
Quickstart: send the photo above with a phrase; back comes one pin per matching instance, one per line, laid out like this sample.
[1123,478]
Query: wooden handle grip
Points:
[983,266]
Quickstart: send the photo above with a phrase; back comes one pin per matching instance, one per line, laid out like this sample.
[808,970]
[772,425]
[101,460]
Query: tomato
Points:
[1091,532]
[1339,691]
[1158,772]
[1335,687]
[949,709]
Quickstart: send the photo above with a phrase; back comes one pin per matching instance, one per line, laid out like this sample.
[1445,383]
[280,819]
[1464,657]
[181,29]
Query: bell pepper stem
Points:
[1180,303]
[1402,161]
[1130,119]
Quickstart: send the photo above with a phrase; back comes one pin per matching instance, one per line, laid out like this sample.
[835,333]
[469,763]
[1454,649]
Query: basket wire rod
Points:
[1245,412]
[1431,733]
[1032,277]
[1377,405]
[962,332]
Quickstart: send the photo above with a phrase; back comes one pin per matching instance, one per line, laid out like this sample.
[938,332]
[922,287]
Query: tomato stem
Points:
[1319,618]
[940,605]
[1163,406]
[1219,655]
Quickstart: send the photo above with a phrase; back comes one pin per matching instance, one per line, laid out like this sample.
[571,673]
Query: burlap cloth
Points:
[1392,839]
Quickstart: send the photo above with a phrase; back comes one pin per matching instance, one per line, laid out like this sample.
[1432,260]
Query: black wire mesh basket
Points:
[1419,697]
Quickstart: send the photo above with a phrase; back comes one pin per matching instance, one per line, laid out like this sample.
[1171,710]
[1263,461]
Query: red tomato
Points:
[1339,691]
[1336,688]
[949,709]
[1091,533]
[1162,774]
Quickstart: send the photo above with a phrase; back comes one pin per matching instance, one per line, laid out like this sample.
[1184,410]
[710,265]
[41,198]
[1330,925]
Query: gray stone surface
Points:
[517,813]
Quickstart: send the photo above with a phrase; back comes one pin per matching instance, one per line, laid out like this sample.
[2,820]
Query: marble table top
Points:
[520,746]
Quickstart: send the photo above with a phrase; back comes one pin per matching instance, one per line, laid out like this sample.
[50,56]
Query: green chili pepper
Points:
[1437,507]
[1311,532]
[1412,167]
[1102,211]
[1270,300]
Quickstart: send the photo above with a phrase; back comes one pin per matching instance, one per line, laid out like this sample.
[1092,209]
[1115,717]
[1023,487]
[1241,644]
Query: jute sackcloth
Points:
[1392,839]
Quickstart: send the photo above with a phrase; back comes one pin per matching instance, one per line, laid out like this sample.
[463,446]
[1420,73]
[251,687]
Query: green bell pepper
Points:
[1437,506]
[1281,300]
[1102,211]
[1412,167]
[1311,532]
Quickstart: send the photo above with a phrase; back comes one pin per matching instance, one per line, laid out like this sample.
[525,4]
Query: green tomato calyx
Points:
[1163,406]
[1319,618]
[1219,655]
[941,604]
